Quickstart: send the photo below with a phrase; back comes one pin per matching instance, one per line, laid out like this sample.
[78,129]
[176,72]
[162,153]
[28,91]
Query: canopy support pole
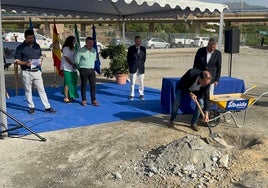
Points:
[221,31]
[124,30]
[3,118]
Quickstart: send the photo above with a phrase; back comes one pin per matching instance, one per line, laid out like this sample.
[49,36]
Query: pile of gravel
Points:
[191,159]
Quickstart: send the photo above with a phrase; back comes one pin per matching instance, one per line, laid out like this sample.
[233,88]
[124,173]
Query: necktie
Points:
[138,49]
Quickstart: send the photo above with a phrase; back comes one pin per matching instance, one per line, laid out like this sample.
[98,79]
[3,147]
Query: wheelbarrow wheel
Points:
[212,115]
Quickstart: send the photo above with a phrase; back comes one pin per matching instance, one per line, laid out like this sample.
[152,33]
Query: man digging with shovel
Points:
[196,84]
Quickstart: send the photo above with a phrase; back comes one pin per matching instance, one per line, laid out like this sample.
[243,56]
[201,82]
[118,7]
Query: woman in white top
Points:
[69,68]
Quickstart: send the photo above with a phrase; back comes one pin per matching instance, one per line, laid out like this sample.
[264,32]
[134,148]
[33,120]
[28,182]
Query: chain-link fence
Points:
[109,36]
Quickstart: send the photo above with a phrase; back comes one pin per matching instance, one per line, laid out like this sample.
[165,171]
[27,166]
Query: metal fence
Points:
[175,40]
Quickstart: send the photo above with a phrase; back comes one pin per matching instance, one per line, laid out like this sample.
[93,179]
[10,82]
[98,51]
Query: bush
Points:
[118,61]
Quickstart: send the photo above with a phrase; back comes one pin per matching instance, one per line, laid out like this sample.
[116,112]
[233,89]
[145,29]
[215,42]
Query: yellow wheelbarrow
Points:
[227,105]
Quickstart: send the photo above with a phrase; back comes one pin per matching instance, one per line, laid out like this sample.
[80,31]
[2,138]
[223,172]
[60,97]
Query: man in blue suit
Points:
[196,84]
[209,59]
[136,58]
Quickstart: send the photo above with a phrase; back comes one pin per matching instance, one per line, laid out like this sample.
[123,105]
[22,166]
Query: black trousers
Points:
[90,75]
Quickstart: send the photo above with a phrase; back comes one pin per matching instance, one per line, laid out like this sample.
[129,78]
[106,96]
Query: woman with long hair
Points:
[69,68]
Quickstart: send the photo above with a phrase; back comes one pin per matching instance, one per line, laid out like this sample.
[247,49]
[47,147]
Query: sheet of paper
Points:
[35,63]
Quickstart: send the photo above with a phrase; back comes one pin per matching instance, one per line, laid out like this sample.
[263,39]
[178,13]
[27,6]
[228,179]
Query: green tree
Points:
[137,27]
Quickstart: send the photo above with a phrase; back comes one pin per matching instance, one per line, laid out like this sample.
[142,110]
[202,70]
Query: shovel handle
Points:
[203,114]
[199,107]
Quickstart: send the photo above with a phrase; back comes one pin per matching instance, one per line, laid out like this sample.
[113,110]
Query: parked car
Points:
[201,41]
[13,37]
[180,41]
[44,42]
[100,46]
[9,49]
[155,43]
[116,41]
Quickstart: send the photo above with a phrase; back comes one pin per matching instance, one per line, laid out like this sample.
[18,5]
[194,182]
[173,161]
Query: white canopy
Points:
[113,9]
[105,9]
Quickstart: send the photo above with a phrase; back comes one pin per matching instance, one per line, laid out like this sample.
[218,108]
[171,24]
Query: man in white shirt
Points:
[209,59]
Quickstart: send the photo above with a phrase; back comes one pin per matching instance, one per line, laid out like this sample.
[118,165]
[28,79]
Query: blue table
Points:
[226,85]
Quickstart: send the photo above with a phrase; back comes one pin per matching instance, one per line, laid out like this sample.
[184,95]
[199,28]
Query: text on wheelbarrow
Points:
[237,105]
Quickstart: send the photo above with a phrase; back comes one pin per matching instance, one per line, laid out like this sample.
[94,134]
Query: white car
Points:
[11,37]
[44,42]
[201,41]
[100,46]
[155,43]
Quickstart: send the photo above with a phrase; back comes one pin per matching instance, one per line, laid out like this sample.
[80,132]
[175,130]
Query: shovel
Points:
[211,134]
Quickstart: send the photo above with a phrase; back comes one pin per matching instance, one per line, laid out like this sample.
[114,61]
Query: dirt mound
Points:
[191,159]
[194,161]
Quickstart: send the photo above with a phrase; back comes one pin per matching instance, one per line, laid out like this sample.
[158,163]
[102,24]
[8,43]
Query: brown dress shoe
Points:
[95,103]
[84,102]
[194,127]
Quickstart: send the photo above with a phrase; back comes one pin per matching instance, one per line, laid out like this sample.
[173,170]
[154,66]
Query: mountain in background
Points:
[243,6]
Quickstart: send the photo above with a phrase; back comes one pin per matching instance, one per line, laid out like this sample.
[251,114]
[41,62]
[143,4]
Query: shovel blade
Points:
[222,142]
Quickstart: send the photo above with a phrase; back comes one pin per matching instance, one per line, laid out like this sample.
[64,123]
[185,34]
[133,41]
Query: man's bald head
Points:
[205,78]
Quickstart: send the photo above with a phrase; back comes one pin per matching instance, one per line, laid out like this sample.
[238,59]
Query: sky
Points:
[250,2]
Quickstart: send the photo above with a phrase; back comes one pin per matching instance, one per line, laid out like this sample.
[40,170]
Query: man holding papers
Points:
[28,55]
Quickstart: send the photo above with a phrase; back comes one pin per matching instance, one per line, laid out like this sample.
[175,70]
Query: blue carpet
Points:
[114,106]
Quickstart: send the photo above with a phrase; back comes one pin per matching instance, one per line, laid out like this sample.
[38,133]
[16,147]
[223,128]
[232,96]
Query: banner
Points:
[97,62]
[56,51]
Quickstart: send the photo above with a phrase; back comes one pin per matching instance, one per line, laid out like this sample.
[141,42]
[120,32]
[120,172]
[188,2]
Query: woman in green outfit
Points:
[69,68]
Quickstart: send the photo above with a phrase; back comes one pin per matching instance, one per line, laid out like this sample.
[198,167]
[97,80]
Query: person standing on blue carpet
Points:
[196,84]
[136,58]
[85,60]
[209,59]
[69,69]
[29,56]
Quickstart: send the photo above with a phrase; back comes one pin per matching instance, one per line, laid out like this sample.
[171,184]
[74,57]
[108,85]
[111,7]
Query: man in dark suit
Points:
[209,59]
[136,58]
[196,84]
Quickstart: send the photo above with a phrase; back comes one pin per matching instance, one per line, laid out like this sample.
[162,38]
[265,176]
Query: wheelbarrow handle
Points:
[252,87]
